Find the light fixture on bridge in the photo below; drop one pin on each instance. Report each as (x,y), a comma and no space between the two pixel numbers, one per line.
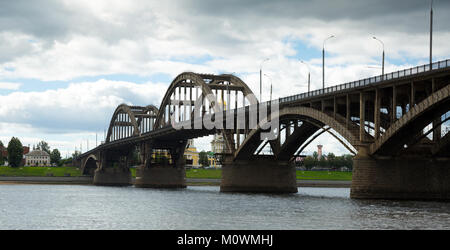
(270,86)
(260,78)
(323,61)
(309,74)
(382,62)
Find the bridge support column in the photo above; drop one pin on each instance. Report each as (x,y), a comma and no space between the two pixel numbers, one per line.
(260,175)
(160,177)
(402,178)
(112,177)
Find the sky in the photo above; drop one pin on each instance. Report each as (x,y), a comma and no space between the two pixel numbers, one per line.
(66,65)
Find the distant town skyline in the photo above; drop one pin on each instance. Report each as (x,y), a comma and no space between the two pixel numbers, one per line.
(65,65)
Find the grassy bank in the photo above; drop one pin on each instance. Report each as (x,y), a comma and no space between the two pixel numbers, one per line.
(190,173)
(39,171)
(301,175)
(204,173)
(324,175)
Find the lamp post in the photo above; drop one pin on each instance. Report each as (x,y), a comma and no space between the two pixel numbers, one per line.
(309,75)
(323,61)
(431,34)
(260,79)
(382,63)
(270,86)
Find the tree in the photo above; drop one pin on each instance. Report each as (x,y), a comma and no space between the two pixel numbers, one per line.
(331,159)
(15,152)
(316,155)
(42,145)
(203,159)
(76,154)
(348,159)
(2,161)
(55,157)
(309,162)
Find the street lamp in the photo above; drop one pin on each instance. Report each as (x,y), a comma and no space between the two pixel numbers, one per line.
(309,74)
(270,86)
(431,34)
(260,79)
(382,63)
(323,61)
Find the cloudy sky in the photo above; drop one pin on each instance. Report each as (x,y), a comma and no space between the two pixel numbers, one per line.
(66,65)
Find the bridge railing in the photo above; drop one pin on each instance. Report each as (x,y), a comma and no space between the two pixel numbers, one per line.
(368,81)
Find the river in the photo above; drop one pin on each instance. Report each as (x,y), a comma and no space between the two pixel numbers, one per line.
(205,208)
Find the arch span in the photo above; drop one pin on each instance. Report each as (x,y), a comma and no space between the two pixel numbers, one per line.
(129,121)
(90,165)
(404,129)
(312,121)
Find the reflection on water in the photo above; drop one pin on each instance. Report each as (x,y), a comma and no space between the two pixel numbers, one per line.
(91,207)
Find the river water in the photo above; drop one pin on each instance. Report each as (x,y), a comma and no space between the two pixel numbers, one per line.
(204,207)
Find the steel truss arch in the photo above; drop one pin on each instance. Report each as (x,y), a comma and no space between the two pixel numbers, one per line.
(131,122)
(398,134)
(315,118)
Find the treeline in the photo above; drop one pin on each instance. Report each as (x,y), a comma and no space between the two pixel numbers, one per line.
(15,153)
(330,161)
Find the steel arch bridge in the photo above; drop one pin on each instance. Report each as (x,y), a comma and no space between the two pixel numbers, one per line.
(398,117)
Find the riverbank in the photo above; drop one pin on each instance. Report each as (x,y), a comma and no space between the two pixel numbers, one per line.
(87,180)
(194,177)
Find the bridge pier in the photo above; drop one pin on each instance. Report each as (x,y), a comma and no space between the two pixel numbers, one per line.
(112,177)
(259,176)
(160,177)
(400,178)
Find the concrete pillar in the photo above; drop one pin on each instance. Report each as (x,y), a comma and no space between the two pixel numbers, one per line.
(437,121)
(362,118)
(347,111)
(377,114)
(260,176)
(112,177)
(394,104)
(400,178)
(334,107)
(160,177)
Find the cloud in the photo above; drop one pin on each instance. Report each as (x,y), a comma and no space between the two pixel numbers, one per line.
(86,106)
(67,40)
(10,85)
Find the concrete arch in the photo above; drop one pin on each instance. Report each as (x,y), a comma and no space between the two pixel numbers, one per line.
(311,117)
(147,109)
(90,165)
(442,148)
(196,80)
(238,81)
(412,122)
(123,108)
(249,95)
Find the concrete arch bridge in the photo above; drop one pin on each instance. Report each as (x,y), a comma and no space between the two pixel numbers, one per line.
(396,125)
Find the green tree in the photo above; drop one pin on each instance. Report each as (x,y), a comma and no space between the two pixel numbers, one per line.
(348,161)
(315,155)
(331,160)
(55,157)
(322,162)
(15,152)
(309,162)
(203,159)
(76,154)
(2,161)
(42,145)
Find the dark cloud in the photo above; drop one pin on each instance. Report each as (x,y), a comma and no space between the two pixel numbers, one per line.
(45,18)
(403,14)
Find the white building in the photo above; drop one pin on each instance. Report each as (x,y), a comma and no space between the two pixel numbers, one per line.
(218,144)
(37,158)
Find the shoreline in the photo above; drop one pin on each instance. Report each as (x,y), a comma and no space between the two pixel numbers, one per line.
(85,180)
